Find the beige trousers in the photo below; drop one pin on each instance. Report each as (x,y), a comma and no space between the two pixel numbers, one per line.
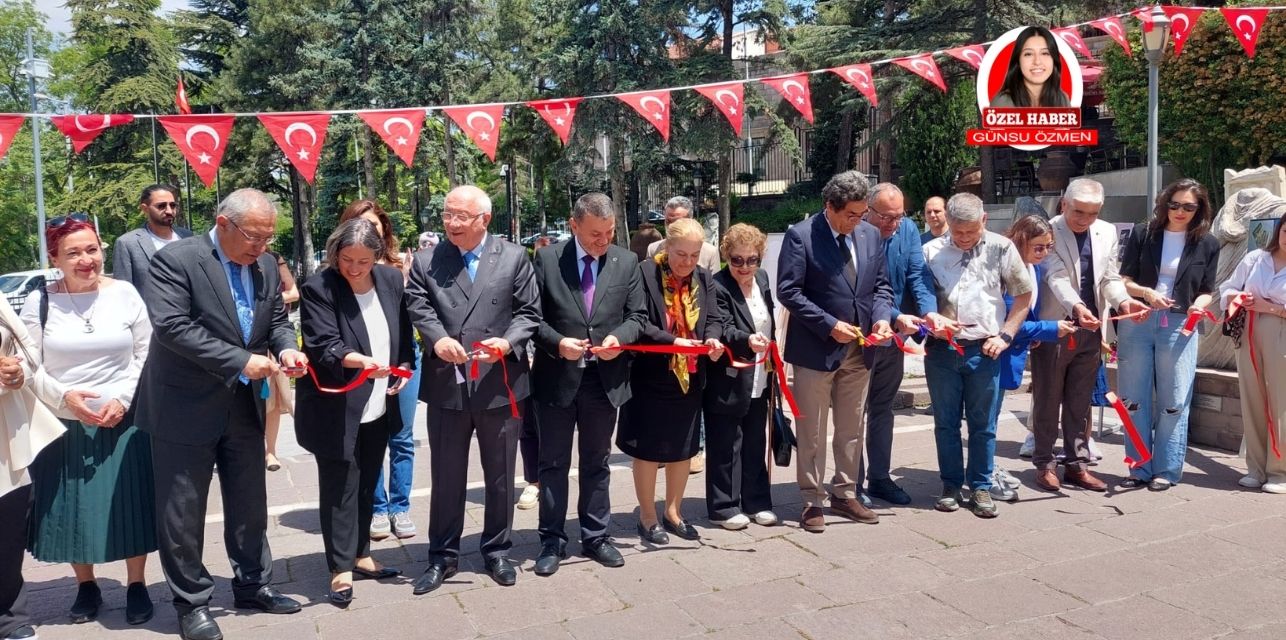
(817,393)
(1270,353)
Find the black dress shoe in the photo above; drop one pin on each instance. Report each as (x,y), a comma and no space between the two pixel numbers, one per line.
(432,578)
(683,529)
(88,599)
(138,604)
(383,573)
(502,571)
(198,625)
(551,554)
(603,552)
(341,598)
(268,599)
(653,534)
(888,491)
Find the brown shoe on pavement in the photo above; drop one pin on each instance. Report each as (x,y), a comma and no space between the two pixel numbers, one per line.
(1047,480)
(813,520)
(853,510)
(1084,479)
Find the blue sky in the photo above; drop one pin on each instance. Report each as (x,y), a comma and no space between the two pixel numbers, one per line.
(59,16)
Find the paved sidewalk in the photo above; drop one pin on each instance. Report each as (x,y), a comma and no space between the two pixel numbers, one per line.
(1202,560)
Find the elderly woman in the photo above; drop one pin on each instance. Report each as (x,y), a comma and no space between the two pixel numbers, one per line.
(660,424)
(736,400)
(93,491)
(355,323)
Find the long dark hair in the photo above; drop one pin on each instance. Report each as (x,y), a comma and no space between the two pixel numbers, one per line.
(1051,94)
(1200,223)
(1275,242)
(355,209)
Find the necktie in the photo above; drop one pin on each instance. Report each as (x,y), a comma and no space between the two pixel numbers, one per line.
(587,283)
(245,312)
(471,264)
(850,271)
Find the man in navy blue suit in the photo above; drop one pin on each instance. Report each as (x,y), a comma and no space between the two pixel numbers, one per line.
(832,277)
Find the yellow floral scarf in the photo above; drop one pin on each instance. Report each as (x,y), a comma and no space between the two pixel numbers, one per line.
(681,316)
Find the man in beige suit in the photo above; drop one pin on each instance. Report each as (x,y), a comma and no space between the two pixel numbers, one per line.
(681,207)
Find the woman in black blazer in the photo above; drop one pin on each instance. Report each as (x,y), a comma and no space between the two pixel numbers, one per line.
(352,308)
(1169,264)
(738,489)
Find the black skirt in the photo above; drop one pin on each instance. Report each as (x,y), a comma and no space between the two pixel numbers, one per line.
(660,423)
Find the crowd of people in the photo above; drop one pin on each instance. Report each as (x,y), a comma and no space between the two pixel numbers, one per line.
(122,396)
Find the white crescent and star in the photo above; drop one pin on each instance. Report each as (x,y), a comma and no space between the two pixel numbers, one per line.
(1179,34)
(794,83)
(660,106)
(107,122)
(862,79)
(306,128)
(559,120)
(1072,39)
(732,108)
(1113,29)
(972,54)
(388,128)
(1254,26)
(208,130)
(928,68)
(483,134)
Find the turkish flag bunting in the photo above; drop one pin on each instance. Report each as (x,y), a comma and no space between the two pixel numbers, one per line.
(654,106)
(300,136)
(1182,21)
(1246,24)
(859,75)
(481,122)
(558,114)
(1072,36)
(729,99)
(1144,14)
(1112,26)
(181,98)
(202,139)
(83,129)
(970,55)
(923,66)
(400,130)
(9,125)
(794,88)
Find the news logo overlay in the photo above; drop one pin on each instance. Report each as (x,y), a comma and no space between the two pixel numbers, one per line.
(1029,91)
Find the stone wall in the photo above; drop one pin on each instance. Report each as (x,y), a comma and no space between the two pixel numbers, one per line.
(1215,418)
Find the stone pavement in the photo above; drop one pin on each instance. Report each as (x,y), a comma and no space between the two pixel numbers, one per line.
(1199,561)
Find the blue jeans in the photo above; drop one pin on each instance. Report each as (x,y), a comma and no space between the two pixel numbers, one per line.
(1156,371)
(965,387)
(401,451)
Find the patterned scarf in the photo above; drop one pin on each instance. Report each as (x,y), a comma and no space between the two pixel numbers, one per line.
(681,315)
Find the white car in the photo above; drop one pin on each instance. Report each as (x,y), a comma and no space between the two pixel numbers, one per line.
(18,285)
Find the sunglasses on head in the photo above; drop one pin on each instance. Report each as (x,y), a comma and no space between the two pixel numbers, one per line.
(54,223)
(739,262)
(1190,207)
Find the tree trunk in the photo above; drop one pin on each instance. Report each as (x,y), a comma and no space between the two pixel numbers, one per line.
(886,142)
(986,155)
(616,173)
(368,164)
(539,169)
(301,206)
(394,202)
(725,190)
(449,147)
(844,150)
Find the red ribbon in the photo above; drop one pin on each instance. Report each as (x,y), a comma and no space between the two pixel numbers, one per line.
(504,372)
(1131,431)
(951,340)
(1071,340)
(1194,318)
(357,382)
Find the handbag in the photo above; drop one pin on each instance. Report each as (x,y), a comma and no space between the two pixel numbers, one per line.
(783,435)
(26,424)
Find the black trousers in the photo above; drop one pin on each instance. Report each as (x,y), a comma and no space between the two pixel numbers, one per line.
(886,379)
(736,462)
(346,491)
(592,413)
(14,507)
(183,474)
(450,432)
(1062,389)
(529,444)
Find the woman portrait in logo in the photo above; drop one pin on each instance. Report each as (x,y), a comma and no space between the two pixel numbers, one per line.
(1035,73)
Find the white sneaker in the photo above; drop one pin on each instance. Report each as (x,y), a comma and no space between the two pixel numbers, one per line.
(735,523)
(766,519)
(381,527)
(1274,487)
(1005,479)
(1095,454)
(403,527)
(530,497)
(1250,482)
(1029,446)
(1003,493)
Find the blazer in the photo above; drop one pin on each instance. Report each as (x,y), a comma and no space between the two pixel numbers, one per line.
(1061,286)
(326,423)
(1013,360)
(909,276)
(811,285)
(617,309)
(710,324)
(502,301)
(728,389)
(132,255)
(197,353)
(1197,265)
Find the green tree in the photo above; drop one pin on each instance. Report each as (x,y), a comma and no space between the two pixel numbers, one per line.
(929,128)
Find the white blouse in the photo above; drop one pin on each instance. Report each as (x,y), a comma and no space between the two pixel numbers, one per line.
(763,326)
(1255,275)
(377,331)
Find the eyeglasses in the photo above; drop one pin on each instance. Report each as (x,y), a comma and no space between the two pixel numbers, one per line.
(249,238)
(740,261)
(54,223)
(1190,207)
(166,205)
(889,218)
(448,216)
(1041,248)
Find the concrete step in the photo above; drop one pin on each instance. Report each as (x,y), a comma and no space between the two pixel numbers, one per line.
(914,392)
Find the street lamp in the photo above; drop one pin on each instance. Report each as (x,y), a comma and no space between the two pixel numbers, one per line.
(698,182)
(37,69)
(1154,41)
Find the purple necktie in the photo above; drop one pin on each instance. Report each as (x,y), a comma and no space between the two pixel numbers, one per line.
(587,283)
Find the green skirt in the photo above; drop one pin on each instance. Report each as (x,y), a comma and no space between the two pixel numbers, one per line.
(93,496)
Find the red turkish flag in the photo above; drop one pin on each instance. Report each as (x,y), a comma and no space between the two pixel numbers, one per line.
(970,54)
(9,125)
(859,75)
(1246,24)
(794,88)
(202,139)
(399,129)
(1182,21)
(292,128)
(481,122)
(729,99)
(1112,26)
(1072,36)
(923,66)
(1144,14)
(84,128)
(181,98)
(654,106)
(558,114)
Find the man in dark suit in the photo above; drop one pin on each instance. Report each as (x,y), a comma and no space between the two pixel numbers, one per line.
(590,294)
(472,297)
(133,251)
(832,277)
(216,309)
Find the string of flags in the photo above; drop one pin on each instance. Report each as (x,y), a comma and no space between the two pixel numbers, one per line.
(202,138)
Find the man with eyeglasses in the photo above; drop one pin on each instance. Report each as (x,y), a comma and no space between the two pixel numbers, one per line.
(133,251)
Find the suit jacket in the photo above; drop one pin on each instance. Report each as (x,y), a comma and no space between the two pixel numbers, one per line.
(710,324)
(1197,265)
(1061,286)
(132,254)
(812,285)
(1013,361)
(501,302)
(197,354)
(728,390)
(909,276)
(326,423)
(617,310)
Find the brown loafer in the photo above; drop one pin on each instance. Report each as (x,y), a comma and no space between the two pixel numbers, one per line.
(1083,479)
(1047,480)
(853,510)
(812,520)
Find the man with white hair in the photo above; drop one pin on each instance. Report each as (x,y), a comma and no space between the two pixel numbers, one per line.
(1083,284)
(680,207)
(972,269)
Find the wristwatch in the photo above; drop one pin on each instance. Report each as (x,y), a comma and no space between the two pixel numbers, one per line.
(1006,337)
